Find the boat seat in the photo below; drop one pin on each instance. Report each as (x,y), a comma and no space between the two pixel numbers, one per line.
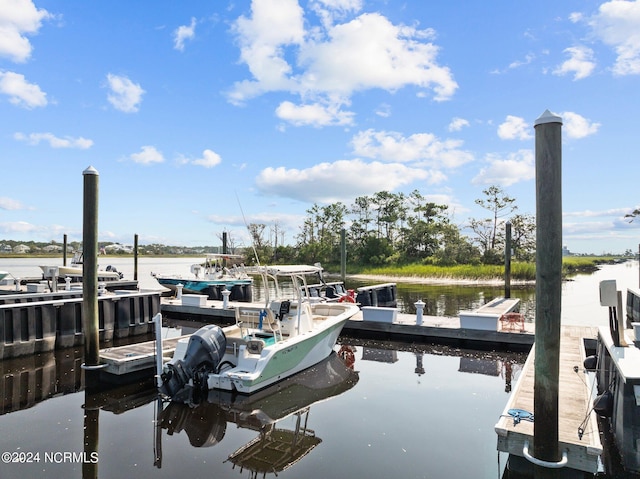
(250,318)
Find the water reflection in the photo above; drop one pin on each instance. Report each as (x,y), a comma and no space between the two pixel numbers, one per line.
(275,448)
(272,431)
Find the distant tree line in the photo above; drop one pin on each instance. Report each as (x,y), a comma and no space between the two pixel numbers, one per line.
(394,228)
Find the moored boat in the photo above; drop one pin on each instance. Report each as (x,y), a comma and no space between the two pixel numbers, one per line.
(74,271)
(211,277)
(266,345)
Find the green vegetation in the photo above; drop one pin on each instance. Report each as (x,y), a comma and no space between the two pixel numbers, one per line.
(520,271)
(586,264)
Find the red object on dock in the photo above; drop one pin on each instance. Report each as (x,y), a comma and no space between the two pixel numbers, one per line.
(512,322)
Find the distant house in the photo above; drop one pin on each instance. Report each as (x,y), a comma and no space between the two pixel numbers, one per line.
(52,248)
(21,249)
(5,248)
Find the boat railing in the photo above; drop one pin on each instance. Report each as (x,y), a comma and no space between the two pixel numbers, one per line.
(258,318)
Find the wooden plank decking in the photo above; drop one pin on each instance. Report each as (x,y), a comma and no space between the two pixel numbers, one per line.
(574,405)
(135,357)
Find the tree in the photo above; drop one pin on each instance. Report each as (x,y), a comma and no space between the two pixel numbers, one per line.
(261,248)
(455,248)
(498,203)
(634,214)
(422,237)
(319,238)
(523,236)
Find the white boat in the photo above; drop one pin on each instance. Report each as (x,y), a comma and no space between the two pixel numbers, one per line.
(74,270)
(3,274)
(211,277)
(266,345)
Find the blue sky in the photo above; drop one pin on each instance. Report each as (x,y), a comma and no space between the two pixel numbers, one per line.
(186,107)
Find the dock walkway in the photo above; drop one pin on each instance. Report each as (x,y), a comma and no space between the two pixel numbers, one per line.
(574,406)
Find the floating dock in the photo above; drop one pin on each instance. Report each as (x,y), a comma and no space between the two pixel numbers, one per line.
(32,323)
(388,323)
(376,322)
(578,433)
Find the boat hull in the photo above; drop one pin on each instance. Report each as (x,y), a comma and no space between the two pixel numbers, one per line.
(240,288)
(286,359)
(75,273)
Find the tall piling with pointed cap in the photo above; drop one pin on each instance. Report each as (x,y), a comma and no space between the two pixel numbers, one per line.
(548,144)
(90,268)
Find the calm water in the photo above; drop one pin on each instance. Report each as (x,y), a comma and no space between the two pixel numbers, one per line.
(391,410)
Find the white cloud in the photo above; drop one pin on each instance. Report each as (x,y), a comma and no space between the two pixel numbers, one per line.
(371,52)
(331,10)
(274,25)
(54,141)
(184,33)
(518,166)
(19,18)
(420,147)
(314,114)
(617,212)
(147,156)
(18,227)
(384,110)
(617,24)
(20,91)
(331,182)
(209,159)
(577,126)
(457,124)
(518,63)
(580,63)
(10,204)
(125,95)
(326,65)
(514,128)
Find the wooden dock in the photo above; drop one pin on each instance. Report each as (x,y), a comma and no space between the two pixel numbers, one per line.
(123,360)
(574,408)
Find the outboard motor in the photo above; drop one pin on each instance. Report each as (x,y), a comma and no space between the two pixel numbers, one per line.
(205,350)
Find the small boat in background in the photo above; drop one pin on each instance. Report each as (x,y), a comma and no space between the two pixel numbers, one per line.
(211,277)
(74,271)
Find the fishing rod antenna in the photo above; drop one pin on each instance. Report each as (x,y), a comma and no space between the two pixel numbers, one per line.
(253,246)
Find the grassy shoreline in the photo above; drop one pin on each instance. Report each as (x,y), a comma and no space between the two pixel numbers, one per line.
(521,273)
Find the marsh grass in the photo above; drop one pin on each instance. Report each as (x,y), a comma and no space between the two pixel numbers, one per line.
(519,271)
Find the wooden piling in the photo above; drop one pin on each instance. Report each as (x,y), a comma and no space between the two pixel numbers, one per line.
(135,257)
(343,254)
(64,250)
(507,261)
(548,144)
(90,268)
